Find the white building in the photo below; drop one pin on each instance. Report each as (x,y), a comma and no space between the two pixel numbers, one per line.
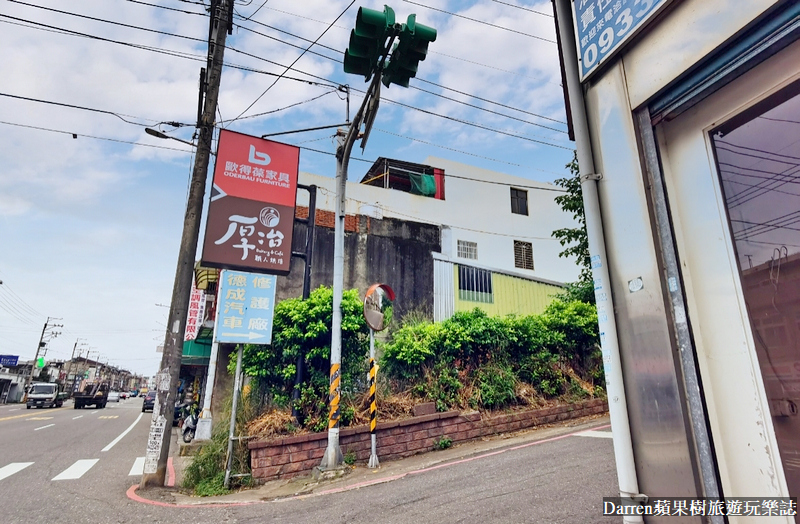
(489,219)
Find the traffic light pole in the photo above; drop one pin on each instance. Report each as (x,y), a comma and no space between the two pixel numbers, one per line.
(333,457)
(166,383)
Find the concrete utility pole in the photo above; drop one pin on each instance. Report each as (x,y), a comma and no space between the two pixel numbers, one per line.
(166,382)
(38,348)
(333,457)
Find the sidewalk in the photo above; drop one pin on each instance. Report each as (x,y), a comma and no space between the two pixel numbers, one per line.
(359,475)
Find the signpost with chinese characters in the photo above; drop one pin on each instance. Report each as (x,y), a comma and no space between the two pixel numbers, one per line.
(251,214)
(194,318)
(601,27)
(246,306)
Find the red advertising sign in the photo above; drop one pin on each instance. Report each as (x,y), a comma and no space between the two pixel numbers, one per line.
(251,214)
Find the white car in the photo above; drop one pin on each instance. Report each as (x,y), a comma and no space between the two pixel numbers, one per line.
(113,396)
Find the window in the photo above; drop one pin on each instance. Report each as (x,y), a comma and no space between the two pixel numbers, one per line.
(519,201)
(523,254)
(468,249)
(475,284)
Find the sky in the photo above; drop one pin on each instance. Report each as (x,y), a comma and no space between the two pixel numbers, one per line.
(91,207)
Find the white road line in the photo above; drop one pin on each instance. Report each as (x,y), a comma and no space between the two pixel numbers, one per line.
(138,467)
(47,426)
(596,434)
(76,470)
(93,412)
(113,442)
(15,409)
(14,467)
(79,416)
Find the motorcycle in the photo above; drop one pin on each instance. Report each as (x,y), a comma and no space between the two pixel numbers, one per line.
(190,424)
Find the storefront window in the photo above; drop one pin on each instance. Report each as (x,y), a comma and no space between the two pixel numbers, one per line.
(758,159)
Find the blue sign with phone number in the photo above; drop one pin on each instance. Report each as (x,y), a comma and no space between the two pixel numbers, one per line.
(603,25)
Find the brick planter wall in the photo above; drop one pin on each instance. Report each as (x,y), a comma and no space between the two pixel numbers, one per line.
(299,454)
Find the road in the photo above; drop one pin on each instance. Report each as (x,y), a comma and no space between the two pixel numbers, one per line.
(66,465)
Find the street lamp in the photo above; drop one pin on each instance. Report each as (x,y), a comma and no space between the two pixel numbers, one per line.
(158,134)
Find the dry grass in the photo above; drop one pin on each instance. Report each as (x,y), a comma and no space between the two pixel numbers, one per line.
(272,423)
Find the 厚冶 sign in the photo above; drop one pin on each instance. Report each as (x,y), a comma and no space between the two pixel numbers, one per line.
(245,308)
(601,27)
(251,213)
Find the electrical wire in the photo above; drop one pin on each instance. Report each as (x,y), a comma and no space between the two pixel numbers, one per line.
(296,60)
(24,305)
(482,22)
(281,108)
(524,8)
(75,135)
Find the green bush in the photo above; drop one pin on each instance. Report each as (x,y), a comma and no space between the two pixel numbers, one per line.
(496,384)
(303,327)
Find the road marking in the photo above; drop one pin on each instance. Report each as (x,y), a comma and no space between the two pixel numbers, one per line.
(79,416)
(93,412)
(138,467)
(18,416)
(113,442)
(16,409)
(76,470)
(596,434)
(40,418)
(47,426)
(14,467)
(108,416)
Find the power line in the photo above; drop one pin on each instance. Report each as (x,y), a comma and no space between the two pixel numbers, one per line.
(281,108)
(481,22)
(24,305)
(75,135)
(186,55)
(524,8)
(94,110)
(296,60)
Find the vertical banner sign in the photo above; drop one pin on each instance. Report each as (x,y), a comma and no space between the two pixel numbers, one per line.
(602,26)
(197,308)
(251,214)
(246,307)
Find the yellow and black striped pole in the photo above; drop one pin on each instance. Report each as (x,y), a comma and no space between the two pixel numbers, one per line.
(333,397)
(373,405)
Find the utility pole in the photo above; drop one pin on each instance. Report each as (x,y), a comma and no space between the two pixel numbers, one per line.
(166,382)
(69,368)
(38,348)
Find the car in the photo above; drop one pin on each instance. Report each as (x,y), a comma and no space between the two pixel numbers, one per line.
(123,395)
(113,396)
(149,401)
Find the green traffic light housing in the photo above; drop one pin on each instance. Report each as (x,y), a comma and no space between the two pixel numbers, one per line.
(367,40)
(411,48)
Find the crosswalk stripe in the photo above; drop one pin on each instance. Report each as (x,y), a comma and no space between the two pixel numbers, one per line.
(138,467)
(76,470)
(596,434)
(14,467)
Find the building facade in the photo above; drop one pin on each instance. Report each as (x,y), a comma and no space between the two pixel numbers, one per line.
(687,135)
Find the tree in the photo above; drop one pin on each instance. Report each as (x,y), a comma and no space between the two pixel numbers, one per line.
(575,239)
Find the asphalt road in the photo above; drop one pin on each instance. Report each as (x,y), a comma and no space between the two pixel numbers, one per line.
(58,465)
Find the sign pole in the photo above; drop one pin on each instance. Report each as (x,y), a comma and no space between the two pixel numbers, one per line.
(373,405)
(237,383)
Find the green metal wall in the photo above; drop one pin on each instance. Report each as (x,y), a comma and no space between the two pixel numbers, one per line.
(509,295)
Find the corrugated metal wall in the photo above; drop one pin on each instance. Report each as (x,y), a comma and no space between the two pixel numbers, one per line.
(511,295)
(444,282)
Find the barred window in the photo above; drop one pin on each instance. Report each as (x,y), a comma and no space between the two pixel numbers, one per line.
(519,201)
(475,284)
(468,249)
(523,254)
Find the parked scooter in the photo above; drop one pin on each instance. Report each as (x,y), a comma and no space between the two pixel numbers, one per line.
(190,423)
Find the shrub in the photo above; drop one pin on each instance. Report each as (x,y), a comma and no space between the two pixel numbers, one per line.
(496,385)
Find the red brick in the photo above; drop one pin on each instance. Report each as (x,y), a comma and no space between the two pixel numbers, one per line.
(459,436)
(277,460)
(292,448)
(271,451)
(472,417)
(312,444)
(293,467)
(300,456)
(387,441)
(428,408)
(404,437)
(474,433)
(267,473)
(435,432)
(396,449)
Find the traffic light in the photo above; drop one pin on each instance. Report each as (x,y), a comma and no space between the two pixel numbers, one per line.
(367,40)
(411,48)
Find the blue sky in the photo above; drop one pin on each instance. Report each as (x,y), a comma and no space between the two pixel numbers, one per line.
(90,226)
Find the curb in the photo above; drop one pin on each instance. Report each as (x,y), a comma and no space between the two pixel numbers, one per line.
(131,492)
